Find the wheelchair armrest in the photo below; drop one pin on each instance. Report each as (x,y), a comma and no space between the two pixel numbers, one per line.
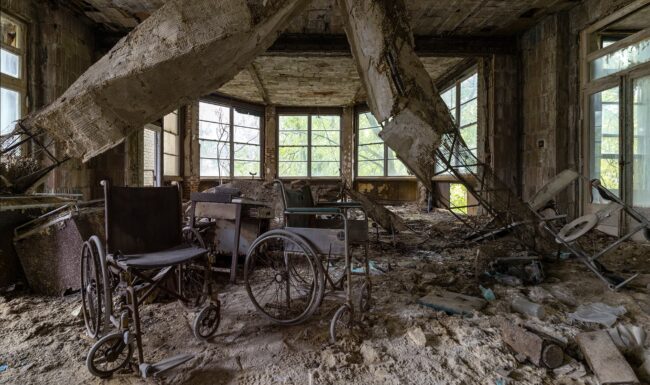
(312,210)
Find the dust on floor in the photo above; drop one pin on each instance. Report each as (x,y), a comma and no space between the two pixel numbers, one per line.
(42,343)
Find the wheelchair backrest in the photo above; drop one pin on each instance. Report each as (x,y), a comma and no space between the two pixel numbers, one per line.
(142,219)
(297,198)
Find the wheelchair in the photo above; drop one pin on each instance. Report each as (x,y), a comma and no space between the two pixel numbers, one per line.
(288,271)
(146,252)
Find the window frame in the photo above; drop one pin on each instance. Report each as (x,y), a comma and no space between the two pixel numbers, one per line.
(440,176)
(21,84)
(179,137)
(362,109)
(309,112)
(241,106)
(591,49)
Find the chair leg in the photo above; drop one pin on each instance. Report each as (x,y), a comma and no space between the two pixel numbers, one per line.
(133,307)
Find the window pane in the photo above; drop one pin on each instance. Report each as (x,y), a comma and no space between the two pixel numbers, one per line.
(371,152)
(245,119)
(604,162)
(366,120)
(468,88)
(619,60)
(641,165)
(396,168)
(293,123)
(292,168)
(449,97)
(370,136)
(293,154)
(210,168)
(214,113)
(216,150)
(293,138)
(12,32)
(170,123)
(171,143)
(325,169)
(247,152)
(247,168)
(149,160)
(325,138)
(331,154)
(214,131)
(10,110)
(171,165)
(470,136)
(458,198)
(247,135)
(468,113)
(326,122)
(371,168)
(9,63)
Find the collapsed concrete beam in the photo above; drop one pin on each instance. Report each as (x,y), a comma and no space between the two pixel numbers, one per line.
(185,50)
(401,93)
(385,218)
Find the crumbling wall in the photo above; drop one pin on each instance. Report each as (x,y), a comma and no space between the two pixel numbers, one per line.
(181,52)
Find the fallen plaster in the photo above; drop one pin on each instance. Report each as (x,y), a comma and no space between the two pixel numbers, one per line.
(400,92)
(181,52)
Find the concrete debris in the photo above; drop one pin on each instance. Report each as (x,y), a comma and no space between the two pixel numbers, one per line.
(598,312)
(378,213)
(534,347)
(604,359)
(369,353)
(452,303)
(164,62)
(416,336)
(573,370)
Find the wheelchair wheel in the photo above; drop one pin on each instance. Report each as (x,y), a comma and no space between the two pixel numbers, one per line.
(92,288)
(207,321)
(341,322)
(194,277)
(108,355)
(283,277)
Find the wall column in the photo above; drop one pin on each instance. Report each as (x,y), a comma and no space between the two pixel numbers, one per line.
(270,143)
(191,149)
(347,145)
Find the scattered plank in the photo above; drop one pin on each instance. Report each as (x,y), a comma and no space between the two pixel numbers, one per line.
(605,360)
(454,303)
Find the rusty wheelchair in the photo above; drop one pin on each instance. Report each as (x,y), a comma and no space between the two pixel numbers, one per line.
(288,271)
(146,252)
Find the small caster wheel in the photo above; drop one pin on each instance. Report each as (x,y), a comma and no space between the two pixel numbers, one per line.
(108,355)
(341,322)
(364,299)
(207,321)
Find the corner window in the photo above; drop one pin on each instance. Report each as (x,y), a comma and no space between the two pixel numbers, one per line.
(230,140)
(309,145)
(374,157)
(12,76)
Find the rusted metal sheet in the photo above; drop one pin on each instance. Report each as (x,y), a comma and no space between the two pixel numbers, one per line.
(538,350)
(49,248)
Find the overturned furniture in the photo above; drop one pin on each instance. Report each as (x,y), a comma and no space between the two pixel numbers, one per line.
(227,224)
(288,271)
(48,246)
(144,249)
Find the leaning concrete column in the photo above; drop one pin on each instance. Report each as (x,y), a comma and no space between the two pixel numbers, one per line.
(400,91)
(184,50)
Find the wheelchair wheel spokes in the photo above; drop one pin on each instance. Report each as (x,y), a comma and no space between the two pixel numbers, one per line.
(194,282)
(92,289)
(282,278)
(109,355)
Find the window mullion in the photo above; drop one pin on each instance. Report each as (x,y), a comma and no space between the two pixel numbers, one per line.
(309,146)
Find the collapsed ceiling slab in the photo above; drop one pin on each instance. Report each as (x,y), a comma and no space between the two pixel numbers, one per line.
(400,92)
(183,51)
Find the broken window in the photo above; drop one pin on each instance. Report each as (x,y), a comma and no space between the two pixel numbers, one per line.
(13,81)
(374,158)
(171,145)
(230,140)
(150,154)
(309,145)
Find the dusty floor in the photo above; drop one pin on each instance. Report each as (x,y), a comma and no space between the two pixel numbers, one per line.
(42,343)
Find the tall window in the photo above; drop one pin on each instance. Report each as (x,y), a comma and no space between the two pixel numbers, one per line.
(309,145)
(461,99)
(605,144)
(374,157)
(230,140)
(150,154)
(13,81)
(171,145)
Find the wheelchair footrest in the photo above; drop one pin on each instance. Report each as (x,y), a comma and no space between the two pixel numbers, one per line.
(153,370)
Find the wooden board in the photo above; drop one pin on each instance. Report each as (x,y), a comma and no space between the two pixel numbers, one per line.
(605,360)
(454,303)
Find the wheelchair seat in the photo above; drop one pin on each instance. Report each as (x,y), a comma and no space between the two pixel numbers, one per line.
(160,259)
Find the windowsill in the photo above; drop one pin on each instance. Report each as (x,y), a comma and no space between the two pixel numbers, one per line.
(384,178)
